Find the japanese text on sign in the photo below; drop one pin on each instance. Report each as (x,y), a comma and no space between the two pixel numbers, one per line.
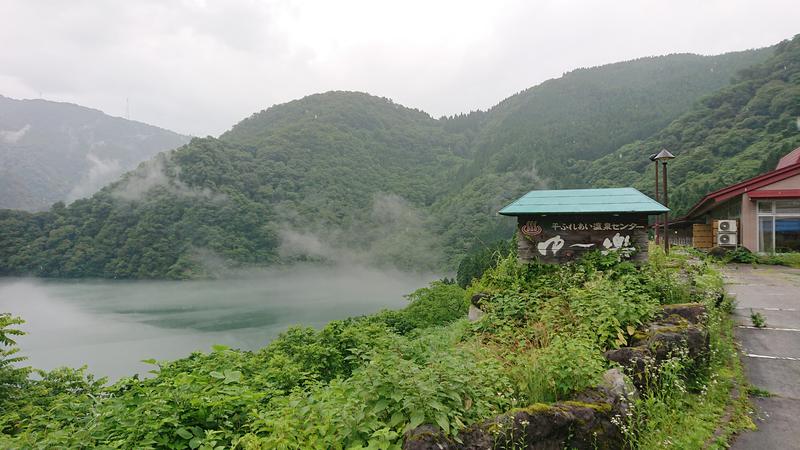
(597,226)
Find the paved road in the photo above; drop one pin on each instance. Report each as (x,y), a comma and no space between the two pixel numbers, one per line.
(771,355)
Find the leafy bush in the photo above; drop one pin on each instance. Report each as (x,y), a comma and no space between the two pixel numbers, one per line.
(12,378)
(611,310)
(741,255)
(439,304)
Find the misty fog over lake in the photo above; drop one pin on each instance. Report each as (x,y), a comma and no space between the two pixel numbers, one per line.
(112,325)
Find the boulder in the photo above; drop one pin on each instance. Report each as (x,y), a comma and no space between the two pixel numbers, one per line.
(678,328)
(693,312)
(571,424)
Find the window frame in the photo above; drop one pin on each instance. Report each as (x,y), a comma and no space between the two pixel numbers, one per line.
(775,216)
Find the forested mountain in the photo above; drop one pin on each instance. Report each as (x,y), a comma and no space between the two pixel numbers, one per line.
(348,176)
(734,134)
(339,175)
(52,151)
(539,137)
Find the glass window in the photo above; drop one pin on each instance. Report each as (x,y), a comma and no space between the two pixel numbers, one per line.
(787,206)
(765,235)
(787,234)
(765,207)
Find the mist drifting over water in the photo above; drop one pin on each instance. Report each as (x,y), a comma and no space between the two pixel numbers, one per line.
(112,325)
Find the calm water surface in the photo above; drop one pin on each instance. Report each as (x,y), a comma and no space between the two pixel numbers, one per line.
(112,325)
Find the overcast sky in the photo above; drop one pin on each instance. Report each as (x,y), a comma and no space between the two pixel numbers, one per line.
(198,67)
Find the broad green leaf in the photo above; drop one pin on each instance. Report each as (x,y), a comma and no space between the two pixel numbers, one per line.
(232,376)
(443,422)
(397,417)
(184,433)
(417,417)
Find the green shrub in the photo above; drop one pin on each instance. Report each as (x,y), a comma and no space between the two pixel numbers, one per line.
(12,378)
(383,399)
(611,310)
(741,255)
(439,304)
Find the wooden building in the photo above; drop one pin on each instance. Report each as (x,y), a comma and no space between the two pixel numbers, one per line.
(761,214)
(556,226)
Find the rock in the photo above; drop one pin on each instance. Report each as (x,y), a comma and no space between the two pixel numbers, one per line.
(478,298)
(633,359)
(475,313)
(693,312)
(571,424)
(679,328)
(426,437)
(618,385)
(718,252)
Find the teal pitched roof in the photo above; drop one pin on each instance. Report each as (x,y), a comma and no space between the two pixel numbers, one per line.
(575,201)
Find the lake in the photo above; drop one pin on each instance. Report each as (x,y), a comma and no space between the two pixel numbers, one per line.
(111,326)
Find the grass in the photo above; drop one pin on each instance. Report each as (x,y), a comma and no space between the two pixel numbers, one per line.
(753,391)
(781,259)
(758,319)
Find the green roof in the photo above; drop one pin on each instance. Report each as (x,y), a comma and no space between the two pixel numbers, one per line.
(575,201)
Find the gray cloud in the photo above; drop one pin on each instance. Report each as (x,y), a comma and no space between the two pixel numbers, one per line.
(199,66)
(397,235)
(153,173)
(101,172)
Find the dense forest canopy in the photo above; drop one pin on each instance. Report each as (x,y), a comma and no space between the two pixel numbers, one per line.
(734,134)
(347,176)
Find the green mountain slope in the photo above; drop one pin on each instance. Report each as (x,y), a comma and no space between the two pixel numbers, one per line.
(52,151)
(335,176)
(539,137)
(729,136)
(351,177)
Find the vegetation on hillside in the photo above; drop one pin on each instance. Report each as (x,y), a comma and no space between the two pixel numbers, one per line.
(52,151)
(349,177)
(542,137)
(734,134)
(362,382)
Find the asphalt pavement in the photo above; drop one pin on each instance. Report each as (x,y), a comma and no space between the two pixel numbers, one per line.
(770,355)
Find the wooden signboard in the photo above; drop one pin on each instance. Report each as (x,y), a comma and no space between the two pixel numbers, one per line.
(557,239)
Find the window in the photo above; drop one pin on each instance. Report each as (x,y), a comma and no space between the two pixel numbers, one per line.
(787,234)
(778,226)
(787,207)
(765,234)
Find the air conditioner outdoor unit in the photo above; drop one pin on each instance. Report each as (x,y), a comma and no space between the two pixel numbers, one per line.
(726,239)
(726,226)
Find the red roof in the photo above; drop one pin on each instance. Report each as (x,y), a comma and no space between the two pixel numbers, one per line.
(775,193)
(782,172)
(791,158)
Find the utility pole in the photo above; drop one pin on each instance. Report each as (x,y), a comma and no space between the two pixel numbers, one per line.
(655,228)
(664,155)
